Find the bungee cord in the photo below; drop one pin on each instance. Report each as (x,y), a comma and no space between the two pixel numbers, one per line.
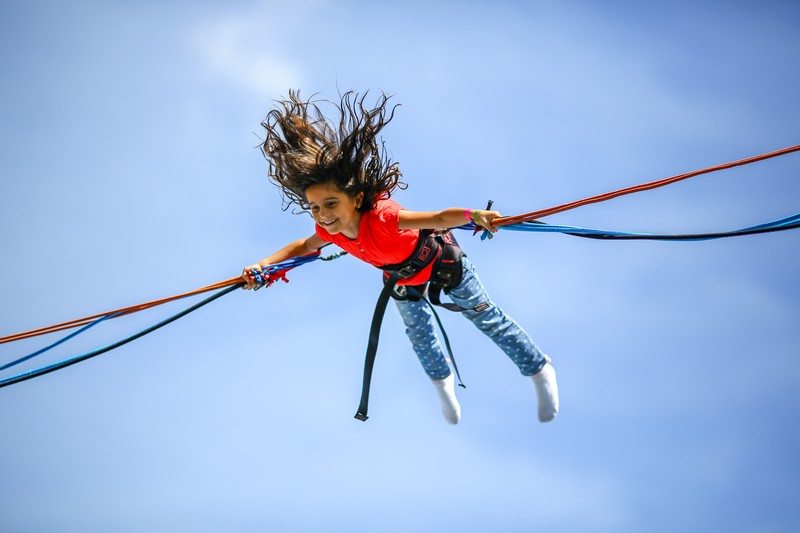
(58,342)
(270,274)
(265,278)
(24,376)
(116,313)
(504,221)
(786,223)
(525,222)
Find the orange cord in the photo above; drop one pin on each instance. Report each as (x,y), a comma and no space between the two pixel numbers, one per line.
(505,221)
(502,221)
(118,312)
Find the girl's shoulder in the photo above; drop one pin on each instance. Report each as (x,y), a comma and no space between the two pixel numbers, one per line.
(386,206)
(385,212)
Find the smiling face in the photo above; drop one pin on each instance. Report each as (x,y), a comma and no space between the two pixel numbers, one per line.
(334,210)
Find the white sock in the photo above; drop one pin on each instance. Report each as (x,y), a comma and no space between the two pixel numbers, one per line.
(546,392)
(447,395)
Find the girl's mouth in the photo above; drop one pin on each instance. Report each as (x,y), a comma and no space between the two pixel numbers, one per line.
(330,222)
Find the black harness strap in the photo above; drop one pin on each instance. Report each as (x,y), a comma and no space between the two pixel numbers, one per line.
(446,341)
(446,273)
(372,346)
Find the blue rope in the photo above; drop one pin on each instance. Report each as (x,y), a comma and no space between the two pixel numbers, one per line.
(263,278)
(65,339)
(30,374)
(790,222)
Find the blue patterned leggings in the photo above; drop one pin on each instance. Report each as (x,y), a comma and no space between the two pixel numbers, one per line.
(498,326)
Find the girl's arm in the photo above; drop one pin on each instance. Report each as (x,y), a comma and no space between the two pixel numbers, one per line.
(447,218)
(299,247)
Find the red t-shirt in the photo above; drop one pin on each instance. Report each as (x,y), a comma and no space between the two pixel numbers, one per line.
(380,241)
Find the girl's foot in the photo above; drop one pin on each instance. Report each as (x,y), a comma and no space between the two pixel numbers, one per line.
(546,392)
(447,395)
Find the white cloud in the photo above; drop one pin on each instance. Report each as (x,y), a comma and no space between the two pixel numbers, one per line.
(245,48)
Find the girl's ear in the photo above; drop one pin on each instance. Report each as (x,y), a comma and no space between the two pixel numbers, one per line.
(359,199)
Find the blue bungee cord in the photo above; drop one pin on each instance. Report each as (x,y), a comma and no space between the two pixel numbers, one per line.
(265,277)
(786,223)
(58,342)
(24,376)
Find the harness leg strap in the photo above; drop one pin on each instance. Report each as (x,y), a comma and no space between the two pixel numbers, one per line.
(372,346)
(446,343)
(434,294)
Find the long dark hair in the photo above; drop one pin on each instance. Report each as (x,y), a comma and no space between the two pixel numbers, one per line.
(304,148)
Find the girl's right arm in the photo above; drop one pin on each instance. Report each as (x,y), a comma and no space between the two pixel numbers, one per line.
(299,247)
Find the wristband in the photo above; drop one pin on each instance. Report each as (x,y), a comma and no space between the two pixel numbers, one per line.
(468,214)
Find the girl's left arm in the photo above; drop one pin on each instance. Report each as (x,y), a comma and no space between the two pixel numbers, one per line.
(447,218)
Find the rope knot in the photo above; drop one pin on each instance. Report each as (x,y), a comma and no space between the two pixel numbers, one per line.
(265,279)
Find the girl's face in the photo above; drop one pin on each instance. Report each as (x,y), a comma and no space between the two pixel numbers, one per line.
(335,210)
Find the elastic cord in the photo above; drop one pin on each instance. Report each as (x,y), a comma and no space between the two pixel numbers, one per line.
(60,341)
(78,358)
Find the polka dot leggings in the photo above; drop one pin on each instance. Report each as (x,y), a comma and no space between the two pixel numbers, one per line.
(498,326)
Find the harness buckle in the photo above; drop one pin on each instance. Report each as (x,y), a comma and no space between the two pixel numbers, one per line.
(407,271)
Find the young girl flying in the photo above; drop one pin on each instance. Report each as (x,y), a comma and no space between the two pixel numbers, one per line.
(340,172)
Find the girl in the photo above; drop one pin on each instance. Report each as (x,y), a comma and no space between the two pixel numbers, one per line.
(341,173)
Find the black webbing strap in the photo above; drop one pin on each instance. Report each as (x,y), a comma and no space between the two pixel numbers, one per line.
(372,346)
(447,342)
(446,273)
(426,250)
(434,295)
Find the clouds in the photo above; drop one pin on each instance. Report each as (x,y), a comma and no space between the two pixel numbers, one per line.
(240,51)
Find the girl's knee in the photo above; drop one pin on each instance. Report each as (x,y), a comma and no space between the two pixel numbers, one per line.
(488,319)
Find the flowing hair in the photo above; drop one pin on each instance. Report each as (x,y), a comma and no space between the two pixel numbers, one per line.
(304,148)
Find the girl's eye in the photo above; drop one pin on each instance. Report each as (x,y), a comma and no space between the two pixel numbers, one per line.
(331,205)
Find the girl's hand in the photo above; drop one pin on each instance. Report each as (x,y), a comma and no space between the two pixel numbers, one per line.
(247,276)
(293,249)
(484,218)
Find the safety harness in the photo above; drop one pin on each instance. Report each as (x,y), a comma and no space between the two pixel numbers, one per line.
(439,248)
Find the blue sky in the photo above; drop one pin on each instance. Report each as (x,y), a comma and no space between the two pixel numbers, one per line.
(129,171)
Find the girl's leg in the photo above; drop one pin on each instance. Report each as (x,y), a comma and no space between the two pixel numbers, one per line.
(418,319)
(510,337)
(420,330)
(498,326)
